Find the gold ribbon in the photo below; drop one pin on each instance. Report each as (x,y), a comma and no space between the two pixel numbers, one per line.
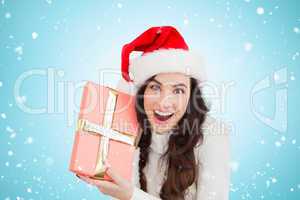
(106,133)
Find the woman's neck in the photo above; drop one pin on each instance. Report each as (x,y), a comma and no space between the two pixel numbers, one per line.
(162,133)
(159,141)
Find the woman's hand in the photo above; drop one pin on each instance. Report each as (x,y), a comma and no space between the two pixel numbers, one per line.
(121,189)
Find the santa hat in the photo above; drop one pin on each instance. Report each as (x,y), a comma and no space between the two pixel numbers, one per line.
(163,50)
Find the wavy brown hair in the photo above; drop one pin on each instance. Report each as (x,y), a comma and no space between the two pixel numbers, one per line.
(182,167)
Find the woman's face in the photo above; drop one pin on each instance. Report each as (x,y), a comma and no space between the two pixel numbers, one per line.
(165,100)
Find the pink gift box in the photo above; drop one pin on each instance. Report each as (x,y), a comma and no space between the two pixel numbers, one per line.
(107,131)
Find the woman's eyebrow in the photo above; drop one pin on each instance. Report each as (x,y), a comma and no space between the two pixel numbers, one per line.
(156,81)
(176,85)
(180,84)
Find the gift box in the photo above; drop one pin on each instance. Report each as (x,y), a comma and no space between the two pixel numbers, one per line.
(107,130)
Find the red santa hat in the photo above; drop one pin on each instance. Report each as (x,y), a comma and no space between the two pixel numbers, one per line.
(163,50)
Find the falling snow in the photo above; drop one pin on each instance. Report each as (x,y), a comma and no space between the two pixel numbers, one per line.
(260,10)
(7,15)
(120,5)
(19,50)
(186,21)
(234,166)
(9,129)
(34,35)
(248,46)
(21,99)
(10,153)
(36,146)
(274,180)
(278,144)
(296,30)
(294,57)
(3,115)
(29,190)
(29,140)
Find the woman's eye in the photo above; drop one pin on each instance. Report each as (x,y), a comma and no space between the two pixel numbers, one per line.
(154,87)
(179,91)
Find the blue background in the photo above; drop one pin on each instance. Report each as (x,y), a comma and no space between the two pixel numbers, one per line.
(251,45)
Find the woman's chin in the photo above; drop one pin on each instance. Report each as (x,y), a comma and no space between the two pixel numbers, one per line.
(159,128)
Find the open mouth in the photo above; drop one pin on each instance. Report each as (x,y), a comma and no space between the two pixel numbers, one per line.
(162,116)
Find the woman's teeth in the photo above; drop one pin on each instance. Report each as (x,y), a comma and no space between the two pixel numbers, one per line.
(162,116)
(163,113)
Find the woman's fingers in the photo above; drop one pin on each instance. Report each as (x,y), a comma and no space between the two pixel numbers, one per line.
(116,177)
(120,191)
(112,173)
(125,187)
(104,186)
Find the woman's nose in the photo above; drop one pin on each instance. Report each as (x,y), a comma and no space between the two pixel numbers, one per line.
(165,102)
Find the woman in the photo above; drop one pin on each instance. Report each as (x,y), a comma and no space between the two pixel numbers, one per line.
(181,154)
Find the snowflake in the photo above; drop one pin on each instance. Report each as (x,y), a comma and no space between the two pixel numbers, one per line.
(7,15)
(19,50)
(186,21)
(29,140)
(248,46)
(277,144)
(10,153)
(295,56)
(13,135)
(34,35)
(274,180)
(234,165)
(292,78)
(29,190)
(119,5)
(3,115)
(296,30)
(260,10)
(19,165)
(268,183)
(21,99)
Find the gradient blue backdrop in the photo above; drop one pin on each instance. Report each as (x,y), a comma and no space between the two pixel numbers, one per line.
(251,46)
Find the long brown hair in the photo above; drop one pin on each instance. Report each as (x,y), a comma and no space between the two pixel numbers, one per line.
(182,167)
